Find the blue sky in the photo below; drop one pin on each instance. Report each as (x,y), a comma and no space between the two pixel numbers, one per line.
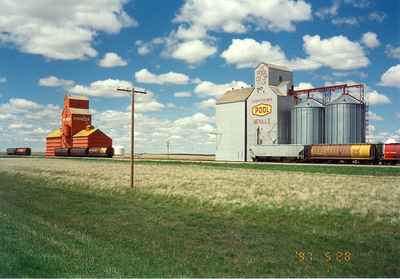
(186,54)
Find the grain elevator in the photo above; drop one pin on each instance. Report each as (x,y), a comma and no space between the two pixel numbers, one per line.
(76,128)
(272,119)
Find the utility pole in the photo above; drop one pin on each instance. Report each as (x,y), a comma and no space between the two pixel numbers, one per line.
(216,138)
(168,143)
(132,91)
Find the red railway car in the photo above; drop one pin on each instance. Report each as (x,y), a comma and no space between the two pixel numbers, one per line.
(391,152)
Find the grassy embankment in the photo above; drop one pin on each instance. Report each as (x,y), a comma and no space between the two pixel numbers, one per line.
(52,228)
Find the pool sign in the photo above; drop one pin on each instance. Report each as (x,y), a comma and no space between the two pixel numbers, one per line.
(261,110)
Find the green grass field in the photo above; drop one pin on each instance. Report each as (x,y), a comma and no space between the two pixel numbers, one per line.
(52,227)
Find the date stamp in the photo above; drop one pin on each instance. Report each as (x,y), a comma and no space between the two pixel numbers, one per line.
(329,257)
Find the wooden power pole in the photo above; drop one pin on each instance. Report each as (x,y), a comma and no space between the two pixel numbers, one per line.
(168,145)
(132,91)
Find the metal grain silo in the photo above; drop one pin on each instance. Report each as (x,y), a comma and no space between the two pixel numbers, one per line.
(345,121)
(308,122)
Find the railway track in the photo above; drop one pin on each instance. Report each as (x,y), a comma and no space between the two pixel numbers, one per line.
(140,159)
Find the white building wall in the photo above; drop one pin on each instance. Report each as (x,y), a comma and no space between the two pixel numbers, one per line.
(231,121)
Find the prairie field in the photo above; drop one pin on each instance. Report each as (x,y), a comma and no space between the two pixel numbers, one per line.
(69,217)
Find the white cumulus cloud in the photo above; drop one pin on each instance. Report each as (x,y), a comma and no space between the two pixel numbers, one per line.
(108,88)
(145,76)
(23,121)
(208,88)
(245,53)
(391,77)
(337,52)
(192,52)
(22,104)
(60,29)
(370,39)
(374,117)
(375,98)
(191,41)
(52,81)
(207,104)
(182,94)
(112,59)
(148,106)
(392,52)
(102,88)
(236,16)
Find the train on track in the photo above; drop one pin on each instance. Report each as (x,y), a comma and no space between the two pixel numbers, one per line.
(329,153)
(315,153)
(20,151)
(105,152)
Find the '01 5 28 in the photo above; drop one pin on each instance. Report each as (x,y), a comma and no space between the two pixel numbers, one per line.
(305,257)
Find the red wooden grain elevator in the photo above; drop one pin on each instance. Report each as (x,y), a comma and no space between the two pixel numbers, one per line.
(76,128)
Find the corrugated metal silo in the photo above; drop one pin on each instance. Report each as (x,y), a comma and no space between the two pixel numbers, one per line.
(308,122)
(345,121)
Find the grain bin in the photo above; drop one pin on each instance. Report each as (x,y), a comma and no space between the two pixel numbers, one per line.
(307,124)
(119,150)
(345,120)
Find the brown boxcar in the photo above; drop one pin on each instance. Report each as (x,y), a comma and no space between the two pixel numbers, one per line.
(101,152)
(11,151)
(342,152)
(24,151)
(78,152)
(61,151)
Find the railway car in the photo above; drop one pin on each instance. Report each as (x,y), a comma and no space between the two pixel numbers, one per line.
(101,152)
(105,152)
(24,151)
(11,151)
(390,153)
(78,152)
(277,152)
(63,152)
(342,152)
(20,151)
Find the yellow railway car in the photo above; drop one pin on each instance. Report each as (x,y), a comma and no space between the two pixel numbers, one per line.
(358,152)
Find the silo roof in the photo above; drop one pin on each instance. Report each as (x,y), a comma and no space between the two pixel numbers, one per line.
(85,132)
(346,99)
(54,134)
(308,103)
(235,95)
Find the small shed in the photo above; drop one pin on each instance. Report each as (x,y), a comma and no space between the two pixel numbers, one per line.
(91,137)
(53,141)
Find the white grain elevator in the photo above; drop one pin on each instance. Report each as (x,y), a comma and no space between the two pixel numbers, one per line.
(253,116)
